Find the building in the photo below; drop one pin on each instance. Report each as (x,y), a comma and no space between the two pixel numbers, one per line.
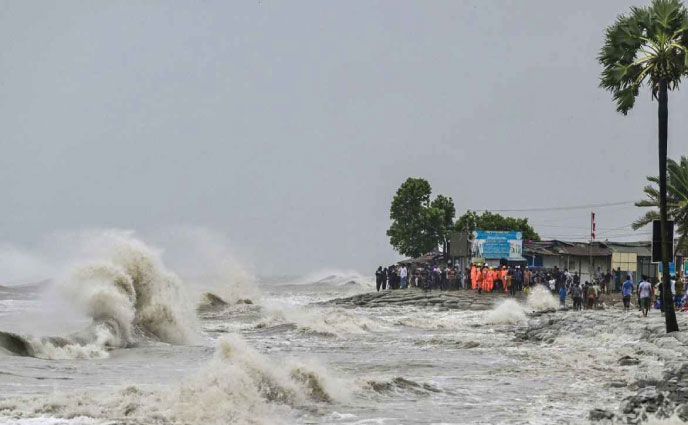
(585,258)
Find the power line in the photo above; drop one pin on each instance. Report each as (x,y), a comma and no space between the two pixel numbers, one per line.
(586,237)
(606,229)
(572,207)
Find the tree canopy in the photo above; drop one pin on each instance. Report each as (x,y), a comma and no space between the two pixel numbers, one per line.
(471,221)
(419,225)
(649,45)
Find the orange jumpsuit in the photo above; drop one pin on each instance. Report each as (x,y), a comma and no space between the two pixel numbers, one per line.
(490,280)
(483,278)
(503,273)
(474,277)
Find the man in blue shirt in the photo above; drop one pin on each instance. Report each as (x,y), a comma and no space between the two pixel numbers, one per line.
(626,291)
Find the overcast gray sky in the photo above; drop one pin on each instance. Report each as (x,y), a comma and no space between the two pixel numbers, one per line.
(288,126)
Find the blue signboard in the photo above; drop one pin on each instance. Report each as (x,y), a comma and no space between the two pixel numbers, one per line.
(495,244)
(672,269)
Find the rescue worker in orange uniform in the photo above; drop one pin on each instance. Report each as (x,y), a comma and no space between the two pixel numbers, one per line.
(482,279)
(474,277)
(488,280)
(503,274)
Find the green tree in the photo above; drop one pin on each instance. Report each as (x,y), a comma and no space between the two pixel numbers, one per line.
(471,221)
(649,46)
(441,219)
(419,225)
(677,200)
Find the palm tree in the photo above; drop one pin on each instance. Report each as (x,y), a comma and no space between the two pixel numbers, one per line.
(677,200)
(649,46)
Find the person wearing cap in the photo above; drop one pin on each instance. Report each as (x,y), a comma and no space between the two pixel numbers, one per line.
(490,280)
(483,278)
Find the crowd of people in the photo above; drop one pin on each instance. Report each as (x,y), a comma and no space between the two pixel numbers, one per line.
(480,277)
(517,279)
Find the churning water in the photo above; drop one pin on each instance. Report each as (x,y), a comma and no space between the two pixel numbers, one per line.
(118,337)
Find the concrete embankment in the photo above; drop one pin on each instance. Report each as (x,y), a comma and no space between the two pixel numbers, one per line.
(461,299)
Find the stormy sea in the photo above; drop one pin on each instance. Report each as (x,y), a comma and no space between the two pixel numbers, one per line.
(119,335)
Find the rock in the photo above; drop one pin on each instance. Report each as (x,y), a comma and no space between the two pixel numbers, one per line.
(600,414)
(628,361)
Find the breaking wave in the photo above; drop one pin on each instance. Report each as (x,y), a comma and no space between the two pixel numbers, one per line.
(332,322)
(239,386)
(129,296)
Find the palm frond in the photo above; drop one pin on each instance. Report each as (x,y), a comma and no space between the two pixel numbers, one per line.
(645,219)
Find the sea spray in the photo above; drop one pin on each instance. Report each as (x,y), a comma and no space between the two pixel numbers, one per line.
(238,385)
(540,298)
(512,311)
(508,311)
(131,286)
(207,264)
(122,286)
(333,322)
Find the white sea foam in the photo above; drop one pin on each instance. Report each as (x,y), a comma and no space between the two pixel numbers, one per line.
(239,386)
(122,286)
(512,311)
(508,311)
(130,285)
(541,298)
(336,322)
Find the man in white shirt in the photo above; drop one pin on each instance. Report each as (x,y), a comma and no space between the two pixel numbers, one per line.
(404,277)
(645,292)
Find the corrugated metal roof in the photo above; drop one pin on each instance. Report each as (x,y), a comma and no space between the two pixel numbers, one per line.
(556,247)
(642,249)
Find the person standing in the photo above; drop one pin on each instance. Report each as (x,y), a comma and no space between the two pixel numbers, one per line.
(378,278)
(452,278)
(626,292)
(592,295)
(607,282)
(383,282)
(404,276)
(679,291)
(644,292)
(576,294)
(562,297)
(490,280)
(482,278)
(474,277)
(391,277)
(568,279)
(498,283)
(518,286)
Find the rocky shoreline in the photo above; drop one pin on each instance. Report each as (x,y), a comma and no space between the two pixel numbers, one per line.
(662,398)
(455,300)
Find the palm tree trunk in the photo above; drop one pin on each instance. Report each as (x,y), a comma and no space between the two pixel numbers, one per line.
(667,299)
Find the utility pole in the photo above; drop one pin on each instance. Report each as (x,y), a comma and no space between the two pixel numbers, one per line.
(592,237)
